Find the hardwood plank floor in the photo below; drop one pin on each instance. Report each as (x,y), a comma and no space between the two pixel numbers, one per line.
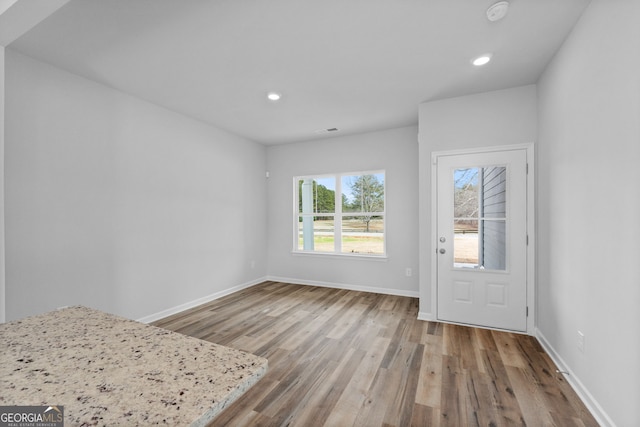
(346,358)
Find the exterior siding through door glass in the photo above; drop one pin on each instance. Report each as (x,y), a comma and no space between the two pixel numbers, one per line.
(493,190)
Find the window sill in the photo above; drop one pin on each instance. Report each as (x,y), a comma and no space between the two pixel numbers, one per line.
(354,256)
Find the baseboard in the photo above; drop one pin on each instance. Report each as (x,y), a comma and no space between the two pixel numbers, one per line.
(182,307)
(422,315)
(386,291)
(592,405)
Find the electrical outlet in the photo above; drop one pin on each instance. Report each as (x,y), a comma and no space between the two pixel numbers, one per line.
(581,341)
(408,272)
(253,264)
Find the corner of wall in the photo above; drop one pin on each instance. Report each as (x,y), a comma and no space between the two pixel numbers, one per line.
(199,301)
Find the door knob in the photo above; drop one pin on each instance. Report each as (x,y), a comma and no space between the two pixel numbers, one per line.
(442,250)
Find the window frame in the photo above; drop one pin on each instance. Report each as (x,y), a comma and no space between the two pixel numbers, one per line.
(338,216)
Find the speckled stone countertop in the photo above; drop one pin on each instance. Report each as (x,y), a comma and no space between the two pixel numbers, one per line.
(107,370)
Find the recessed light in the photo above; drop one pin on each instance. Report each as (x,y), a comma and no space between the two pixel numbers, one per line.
(482,60)
(273,96)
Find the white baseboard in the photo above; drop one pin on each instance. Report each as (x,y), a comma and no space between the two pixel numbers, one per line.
(386,291)
(182,307)
(590,402)
(422,315)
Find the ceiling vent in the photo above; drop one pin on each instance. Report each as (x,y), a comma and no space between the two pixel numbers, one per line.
(327,130)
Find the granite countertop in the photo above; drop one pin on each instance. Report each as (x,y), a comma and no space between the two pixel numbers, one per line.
(107,370)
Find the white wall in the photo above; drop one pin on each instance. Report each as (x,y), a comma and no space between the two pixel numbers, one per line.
(2,280)
(395,151)
(121,205)
(504,117)
(589,204)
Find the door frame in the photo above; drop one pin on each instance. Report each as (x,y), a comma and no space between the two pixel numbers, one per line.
(531,223)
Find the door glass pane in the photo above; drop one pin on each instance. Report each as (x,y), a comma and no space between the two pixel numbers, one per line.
(479,222)
(465,243)
(494,191)
(493,244)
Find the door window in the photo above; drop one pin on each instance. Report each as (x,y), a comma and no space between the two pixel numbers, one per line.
(480,217)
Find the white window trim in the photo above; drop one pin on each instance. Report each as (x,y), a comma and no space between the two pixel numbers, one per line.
(338,214)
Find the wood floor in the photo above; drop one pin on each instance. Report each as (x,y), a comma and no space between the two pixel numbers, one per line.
(346,358)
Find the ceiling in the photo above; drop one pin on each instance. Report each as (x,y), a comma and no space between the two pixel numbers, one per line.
(355,65)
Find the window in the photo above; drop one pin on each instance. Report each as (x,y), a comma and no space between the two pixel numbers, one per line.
(340,214)
(480,217)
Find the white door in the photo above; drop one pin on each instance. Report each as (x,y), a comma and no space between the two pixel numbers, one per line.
(482,238)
